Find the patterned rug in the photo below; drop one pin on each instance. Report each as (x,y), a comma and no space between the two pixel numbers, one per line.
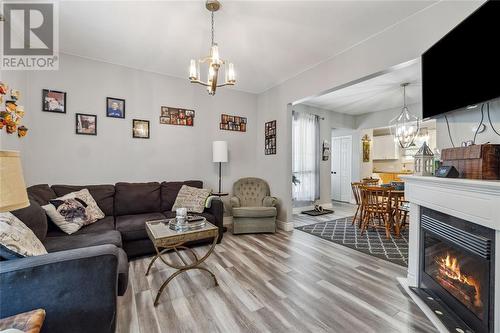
(373,242)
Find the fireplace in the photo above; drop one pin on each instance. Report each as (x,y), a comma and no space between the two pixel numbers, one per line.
(457,265)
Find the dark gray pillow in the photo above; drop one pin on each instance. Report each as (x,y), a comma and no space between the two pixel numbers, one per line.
(34,217)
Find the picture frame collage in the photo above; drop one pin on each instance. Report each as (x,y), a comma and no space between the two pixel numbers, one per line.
(176,116)
(233,123)
(270,138)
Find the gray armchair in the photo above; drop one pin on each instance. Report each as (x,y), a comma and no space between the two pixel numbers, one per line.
(253,208)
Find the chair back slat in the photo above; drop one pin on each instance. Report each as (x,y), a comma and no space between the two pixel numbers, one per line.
(356,191)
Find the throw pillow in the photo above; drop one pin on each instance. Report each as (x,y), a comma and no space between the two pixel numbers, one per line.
(191,198)
(17,240)
(73,211)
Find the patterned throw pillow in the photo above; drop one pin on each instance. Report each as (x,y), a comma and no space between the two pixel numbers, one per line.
(73,210)
(191,198)
(17,240)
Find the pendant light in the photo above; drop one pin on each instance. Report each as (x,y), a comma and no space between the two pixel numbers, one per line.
(405,126)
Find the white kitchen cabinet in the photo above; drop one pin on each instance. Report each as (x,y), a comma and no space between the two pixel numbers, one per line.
(384,148)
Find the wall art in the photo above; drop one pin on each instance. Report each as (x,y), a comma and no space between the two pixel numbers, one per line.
(11,113)
(53,101)
(115,107)
(86,124)
(176,116)
(366,148)
(140,129)
(233,123)
(270,138)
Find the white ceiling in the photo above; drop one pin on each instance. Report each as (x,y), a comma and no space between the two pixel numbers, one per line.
(379,93)
(268,41)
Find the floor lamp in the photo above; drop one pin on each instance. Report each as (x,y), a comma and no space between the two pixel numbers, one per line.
(219,155)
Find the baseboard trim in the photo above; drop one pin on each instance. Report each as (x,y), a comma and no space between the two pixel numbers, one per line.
(285,226)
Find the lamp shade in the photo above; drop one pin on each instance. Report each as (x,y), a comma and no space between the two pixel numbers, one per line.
(12,187)
(219,151)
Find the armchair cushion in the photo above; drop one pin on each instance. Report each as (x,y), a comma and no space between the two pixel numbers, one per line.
(254,212)
(235,202)
(269,201)
(251,191)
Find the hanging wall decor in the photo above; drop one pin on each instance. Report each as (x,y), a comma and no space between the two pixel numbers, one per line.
(366,148)
(86,124)
(176,116)
(115,107)
(140,129)
(53,101)
(233,123)
(11,113)
(325,150)
(270,138)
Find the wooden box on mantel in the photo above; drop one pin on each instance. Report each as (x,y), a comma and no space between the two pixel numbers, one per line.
(474,162)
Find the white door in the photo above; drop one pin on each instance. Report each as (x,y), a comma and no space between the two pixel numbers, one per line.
(336,166)
(341,168)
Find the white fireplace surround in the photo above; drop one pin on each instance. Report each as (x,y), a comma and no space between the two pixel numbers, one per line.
(476,201)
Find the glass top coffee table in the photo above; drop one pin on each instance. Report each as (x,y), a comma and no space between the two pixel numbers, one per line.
(165,239)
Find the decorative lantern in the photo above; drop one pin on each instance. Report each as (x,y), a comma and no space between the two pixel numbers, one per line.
(424,161)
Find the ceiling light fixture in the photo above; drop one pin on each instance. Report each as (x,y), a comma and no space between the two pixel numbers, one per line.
(405,126)
(215,63)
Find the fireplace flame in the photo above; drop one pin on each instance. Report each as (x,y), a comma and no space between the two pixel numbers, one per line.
(450,268)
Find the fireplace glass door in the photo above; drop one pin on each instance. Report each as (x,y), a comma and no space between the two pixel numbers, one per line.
(463,275)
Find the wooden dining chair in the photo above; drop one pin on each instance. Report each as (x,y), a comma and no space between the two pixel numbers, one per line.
(356,191)
(370,181)
(377,205)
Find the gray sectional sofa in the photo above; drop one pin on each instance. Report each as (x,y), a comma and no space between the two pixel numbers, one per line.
(78,280)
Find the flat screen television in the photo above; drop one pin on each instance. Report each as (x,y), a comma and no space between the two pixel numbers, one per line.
(463,68)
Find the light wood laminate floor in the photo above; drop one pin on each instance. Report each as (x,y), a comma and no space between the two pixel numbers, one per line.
(283,282)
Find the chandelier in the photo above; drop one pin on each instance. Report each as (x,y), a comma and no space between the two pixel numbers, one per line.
(405,126)
(214,62)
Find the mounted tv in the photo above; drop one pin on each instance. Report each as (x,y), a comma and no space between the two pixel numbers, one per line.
(463,68)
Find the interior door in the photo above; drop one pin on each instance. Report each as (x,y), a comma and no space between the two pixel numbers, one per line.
(345,168)
(336,169)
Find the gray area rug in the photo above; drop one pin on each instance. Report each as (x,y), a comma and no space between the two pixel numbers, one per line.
(373,242)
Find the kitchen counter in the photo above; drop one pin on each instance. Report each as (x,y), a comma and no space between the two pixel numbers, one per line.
(401,172)
(391,176)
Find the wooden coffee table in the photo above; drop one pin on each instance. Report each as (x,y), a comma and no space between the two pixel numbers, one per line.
(165,239)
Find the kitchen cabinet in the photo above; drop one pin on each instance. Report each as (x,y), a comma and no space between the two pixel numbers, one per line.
(384,148)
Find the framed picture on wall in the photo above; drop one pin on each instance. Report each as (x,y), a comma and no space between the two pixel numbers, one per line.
(233,123)
(140,129)
(176,116)
(53,101)
(115,107)
(270,138)
(86,124)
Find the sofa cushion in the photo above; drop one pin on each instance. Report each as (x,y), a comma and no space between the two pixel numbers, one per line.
(34,217)
(133,227)
(105,224)
(102,194)
(254,211)
(41,193)
(169,191)
(122,272)
(17,240)
(137,198)
(192,198)
(67,242)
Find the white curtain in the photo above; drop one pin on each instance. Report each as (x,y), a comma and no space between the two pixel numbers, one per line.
(305,155)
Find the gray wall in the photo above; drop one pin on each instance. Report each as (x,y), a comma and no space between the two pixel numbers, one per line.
(462,123)
(400,43)
(53,153)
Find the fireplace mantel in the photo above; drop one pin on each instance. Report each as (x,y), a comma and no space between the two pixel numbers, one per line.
(476,201)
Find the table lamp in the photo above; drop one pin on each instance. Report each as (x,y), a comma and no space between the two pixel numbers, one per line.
(219,155)
(12,187)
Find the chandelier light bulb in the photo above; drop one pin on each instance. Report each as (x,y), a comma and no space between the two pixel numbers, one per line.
(193,72)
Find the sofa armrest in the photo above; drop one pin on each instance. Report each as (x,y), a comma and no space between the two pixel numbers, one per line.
(76,288)
(217,210)
(235,202)
(269,201)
